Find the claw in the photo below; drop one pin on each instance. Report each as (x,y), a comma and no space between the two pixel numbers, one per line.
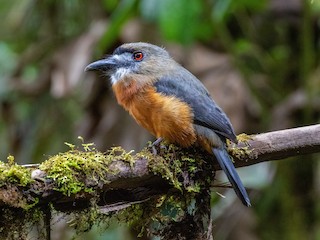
(155,144)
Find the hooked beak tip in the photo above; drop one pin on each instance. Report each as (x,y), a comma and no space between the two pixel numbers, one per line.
(92,67)
(101,65)
(87,69)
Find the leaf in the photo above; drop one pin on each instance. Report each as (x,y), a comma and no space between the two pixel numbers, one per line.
(180,19)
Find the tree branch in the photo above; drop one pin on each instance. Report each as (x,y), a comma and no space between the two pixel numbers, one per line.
(116,181)
(280,145)
(258,148)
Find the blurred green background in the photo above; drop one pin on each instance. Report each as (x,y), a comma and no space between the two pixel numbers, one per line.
(259,59)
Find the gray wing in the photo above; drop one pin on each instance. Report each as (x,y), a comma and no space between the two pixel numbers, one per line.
(188,88)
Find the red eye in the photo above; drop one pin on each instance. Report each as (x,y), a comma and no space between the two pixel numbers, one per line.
(138,56)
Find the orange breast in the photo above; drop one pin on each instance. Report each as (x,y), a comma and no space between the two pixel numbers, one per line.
(163,116)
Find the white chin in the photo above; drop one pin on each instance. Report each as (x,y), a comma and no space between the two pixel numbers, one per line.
(119,74)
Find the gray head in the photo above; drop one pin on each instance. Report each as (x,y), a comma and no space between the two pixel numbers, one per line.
(134,58)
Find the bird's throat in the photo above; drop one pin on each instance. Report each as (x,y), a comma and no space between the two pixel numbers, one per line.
(119,75)
(125,91)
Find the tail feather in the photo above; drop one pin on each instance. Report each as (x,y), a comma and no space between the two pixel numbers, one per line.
(227,166)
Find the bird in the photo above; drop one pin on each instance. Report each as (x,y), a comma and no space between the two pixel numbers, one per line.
(170,102)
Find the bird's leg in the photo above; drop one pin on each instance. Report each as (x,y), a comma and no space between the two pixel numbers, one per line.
(155,144)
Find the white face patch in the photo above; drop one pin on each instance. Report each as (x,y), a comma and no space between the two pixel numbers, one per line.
(119,74)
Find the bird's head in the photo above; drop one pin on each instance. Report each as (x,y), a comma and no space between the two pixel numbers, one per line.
(134,59)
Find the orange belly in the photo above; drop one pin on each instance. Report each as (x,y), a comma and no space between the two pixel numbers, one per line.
(163,116)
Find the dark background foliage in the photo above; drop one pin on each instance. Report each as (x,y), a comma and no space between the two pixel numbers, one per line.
(259,59)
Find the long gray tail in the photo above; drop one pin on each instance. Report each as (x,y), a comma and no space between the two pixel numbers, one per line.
(227,166)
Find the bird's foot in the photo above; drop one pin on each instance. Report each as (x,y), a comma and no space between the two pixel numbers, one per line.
(155,144)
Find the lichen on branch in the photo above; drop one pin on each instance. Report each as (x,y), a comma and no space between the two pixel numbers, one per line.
(89,180)
(96,185)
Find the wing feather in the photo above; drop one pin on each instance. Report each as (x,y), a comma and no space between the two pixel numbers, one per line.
(188,88)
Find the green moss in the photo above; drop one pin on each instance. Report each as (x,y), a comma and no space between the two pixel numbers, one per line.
(153,216)
(72,170)
(118,153)
(186,170)
(75,171)
(244,137)
(191,171)
(13,173)
(181,167)
(160,166)
(84,220)
(240,152)
(14,178)
(19,223)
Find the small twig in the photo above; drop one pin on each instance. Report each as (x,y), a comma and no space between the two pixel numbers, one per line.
(209,231)
(31,165)
(119,206)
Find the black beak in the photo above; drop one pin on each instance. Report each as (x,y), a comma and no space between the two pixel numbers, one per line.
(102,65)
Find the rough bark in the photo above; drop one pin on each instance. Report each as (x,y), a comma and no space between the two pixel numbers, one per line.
(137,182)
(126,183)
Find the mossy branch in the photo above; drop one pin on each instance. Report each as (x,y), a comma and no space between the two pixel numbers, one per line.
(118,179)
(120,170)
(277,145)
